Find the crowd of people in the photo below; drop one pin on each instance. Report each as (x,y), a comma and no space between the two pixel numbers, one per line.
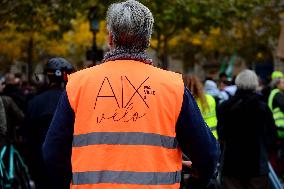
(128,124)
(247,119)
(248,125)
(26,113)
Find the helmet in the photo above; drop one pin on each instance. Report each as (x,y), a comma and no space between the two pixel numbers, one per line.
(57,69)
(276,74)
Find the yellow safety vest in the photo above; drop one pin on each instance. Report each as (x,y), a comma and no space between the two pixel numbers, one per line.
(209,115)
(278,115)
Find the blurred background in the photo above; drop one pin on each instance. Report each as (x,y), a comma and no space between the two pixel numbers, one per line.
(207,37)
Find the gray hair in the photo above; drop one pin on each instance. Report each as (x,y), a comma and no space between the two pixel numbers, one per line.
(130,24)
(247,79)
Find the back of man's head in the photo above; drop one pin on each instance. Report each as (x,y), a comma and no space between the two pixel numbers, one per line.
(56,69)
(130,24)
(247,80)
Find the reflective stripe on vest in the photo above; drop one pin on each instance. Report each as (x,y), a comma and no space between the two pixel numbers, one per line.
(125,138)
(278,115)
(209,115)
(124,131)
(124,177)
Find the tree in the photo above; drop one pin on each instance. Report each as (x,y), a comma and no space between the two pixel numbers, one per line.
(182,27)
(31,17)
(174,18)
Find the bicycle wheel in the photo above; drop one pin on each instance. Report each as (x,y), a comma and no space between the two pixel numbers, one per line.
(13,171)
(21,178)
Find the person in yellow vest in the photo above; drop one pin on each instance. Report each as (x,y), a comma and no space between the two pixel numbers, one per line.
(205,102)
(276,104)
(125,123)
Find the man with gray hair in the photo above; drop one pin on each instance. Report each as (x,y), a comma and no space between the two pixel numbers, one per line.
(126,122)
(246,131)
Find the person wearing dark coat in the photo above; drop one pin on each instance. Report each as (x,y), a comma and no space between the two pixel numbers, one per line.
(247,132)
(11,116)
(39,115)
(13,90)
(130,28)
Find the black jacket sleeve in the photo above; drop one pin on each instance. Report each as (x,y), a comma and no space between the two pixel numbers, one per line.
(58,144)
(196,140)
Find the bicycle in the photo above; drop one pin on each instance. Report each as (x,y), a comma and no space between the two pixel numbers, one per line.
(13,171)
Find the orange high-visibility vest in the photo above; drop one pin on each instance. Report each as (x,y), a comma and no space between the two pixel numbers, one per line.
(124,132)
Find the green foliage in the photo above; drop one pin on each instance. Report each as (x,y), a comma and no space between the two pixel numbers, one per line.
(245,26)
(182,27)
(30,15)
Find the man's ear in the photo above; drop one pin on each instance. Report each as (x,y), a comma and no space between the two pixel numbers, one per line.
(110,38)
